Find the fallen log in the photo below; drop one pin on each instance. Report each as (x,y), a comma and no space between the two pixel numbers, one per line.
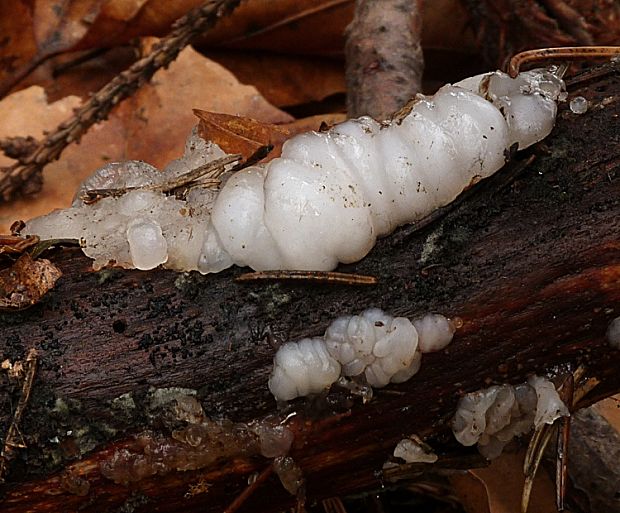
(529,260)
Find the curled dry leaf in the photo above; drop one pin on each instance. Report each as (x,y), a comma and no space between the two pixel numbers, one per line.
(26,281)
(235,134)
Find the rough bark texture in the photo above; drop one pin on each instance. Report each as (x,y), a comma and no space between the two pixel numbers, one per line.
(595,448)
(506,27)
(532,269)
(384,56)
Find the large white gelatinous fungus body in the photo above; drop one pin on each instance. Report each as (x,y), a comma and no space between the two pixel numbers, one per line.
(302,368)
(492,417)
(374,346)
(330,194)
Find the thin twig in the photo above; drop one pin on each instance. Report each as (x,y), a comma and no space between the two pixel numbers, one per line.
(249,490)
(211,170)
(25,175)
(10,441)
(533,456)
(330,277)
(564,53)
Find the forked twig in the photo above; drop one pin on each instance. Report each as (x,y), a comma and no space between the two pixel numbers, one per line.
(24,175)
(10,440)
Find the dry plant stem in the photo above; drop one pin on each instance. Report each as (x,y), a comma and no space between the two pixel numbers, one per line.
(310,276)
(384,56)
(566,53)
(10,440)
(561,473)
(24,176)
(209,172)
(249,490)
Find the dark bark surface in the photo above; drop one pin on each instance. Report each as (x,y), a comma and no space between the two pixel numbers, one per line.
(533,269)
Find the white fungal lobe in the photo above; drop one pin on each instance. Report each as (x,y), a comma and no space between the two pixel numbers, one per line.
(302,368)
(374,345)
(412,451)
(492,417)
(613,333)
(330,194)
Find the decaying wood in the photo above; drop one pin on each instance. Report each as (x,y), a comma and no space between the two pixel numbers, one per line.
(384,57)
(533,270)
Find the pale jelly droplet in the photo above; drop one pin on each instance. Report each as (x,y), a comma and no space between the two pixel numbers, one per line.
(579,105)
(147,245)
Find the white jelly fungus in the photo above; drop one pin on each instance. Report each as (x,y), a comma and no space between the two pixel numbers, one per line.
(374,346)
(327,198)
(492,417)
(412,451)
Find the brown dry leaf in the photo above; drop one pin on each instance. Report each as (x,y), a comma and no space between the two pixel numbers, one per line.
(610,409)
(33,31)
(26,281)
(503,481)
(152,125)
(287,26)
(472,492)
(285,80)
(242,135)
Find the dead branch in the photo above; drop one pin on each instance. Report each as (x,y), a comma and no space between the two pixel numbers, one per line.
(384,57)
(533,270)
(25,175)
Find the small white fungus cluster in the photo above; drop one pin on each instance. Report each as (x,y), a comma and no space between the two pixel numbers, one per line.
(492,417)
(381,348)
(414,451)
(330,194)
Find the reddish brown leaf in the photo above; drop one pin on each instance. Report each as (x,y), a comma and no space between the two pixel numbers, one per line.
(239,135)
(26,281)
(236,134)
(503,482)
